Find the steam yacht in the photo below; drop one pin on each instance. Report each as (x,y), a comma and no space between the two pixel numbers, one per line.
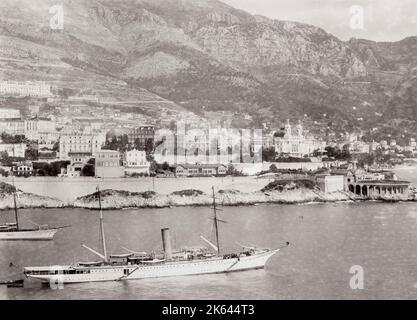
(138,265)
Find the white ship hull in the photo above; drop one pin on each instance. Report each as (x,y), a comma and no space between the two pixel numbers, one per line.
(134,272)
(28,235)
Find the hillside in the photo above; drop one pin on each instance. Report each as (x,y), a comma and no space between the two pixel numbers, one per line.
(203,54)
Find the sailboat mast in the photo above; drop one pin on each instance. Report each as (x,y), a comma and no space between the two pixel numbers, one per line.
(103,238)
(215,224)
(15,205)
(15,209)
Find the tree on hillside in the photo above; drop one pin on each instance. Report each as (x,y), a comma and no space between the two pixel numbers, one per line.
(88,171)
(273,168)
(31,154)
(231,171)
(13,139)
(165,166)
(149,146)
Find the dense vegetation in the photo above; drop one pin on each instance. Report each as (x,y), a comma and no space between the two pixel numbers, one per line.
(6,188)
(281,185)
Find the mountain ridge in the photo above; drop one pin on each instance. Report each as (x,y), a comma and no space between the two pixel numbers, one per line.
(207,55)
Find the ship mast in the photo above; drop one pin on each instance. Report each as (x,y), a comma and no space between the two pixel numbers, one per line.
(15,206)
(102,226)
(216,224)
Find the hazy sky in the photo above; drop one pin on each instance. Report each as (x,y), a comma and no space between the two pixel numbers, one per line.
(383,20)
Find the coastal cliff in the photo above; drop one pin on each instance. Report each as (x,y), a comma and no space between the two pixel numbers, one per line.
(114,199)
(25,200)
(275,192)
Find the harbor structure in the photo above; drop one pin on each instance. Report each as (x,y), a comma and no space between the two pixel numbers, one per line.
(194,170)
(379,188)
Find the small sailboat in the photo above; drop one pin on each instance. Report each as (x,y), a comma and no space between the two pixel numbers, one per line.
(139,265)
(13,230)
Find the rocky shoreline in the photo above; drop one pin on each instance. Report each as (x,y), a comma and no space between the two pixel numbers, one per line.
(119,199)
(29,201)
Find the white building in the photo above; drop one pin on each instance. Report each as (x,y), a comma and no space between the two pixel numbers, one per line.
(25,89)
(48,138)
(136,162)
(329,184)
(295,143)
(37,127)
(80,143)
(12,126)
(14,150)
(9,113)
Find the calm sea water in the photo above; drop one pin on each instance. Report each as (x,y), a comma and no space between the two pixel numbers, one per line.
(327,240)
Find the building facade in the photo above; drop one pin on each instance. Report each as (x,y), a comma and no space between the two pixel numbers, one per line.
(13,150)
(12,126)
(77,164)
(141,136)
(22,169)
(80,143)
(292,141)
(107,164)
(9,113)
(37,127)
(331,183)
(25,89)
(197,170)
(136,162)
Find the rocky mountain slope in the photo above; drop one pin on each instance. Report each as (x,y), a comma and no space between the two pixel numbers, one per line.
(203,54)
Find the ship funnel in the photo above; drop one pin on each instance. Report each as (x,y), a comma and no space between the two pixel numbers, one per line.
(166,243)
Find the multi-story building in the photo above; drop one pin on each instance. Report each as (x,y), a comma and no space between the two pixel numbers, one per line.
(22,169)
(36,127)
(25,89)
(295,143)
(136,162)
(80,142)
(107,164)
(141,136)
(9,113)
(13,150)
(12,126)
(48,138)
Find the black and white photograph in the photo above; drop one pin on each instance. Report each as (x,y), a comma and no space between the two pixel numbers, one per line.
(205,150)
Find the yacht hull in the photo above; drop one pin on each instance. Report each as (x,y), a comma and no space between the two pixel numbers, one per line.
(135,272)
(28,235)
